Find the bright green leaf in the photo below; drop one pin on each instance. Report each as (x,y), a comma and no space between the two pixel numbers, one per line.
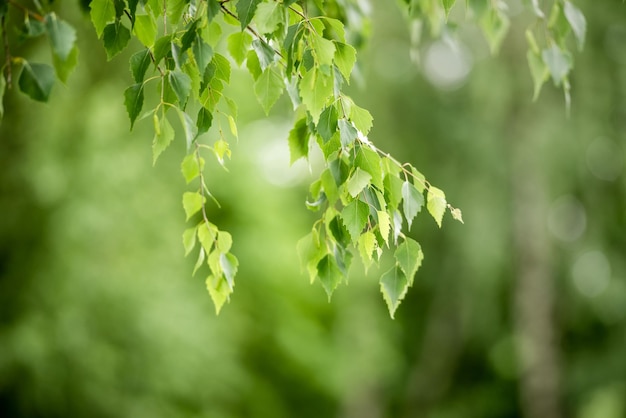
(189,128)
(199,261)
(102,12)
(361,118)
(191,167)
(36,80)
(323,49)
(145,29)
(229,265)
(133,100)
(457,215)
(409,257)
(268,88)
(412,201)
(315,89)
(367,245)
(207,232)
(162,139)
(393,285)
(310,252)
(436,204)
(219,291)
(253,65)
(299,140)
(238,45)
(222,67)
(268,17)
(384,225)
(221,149)
(368,160)
(358,181)
(224,241)
(329,186)
(354,216)
(447,5)
(192,203)
(189,239)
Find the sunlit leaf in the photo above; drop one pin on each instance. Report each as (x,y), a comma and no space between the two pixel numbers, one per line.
(189,239)
(238,45)
(367,245)
(436,204)
(329,274)
(191,167)
(299,141)
(354,216)
(268,88)
(219,291)
(393,286)
(102,12)
(409,257)
(192,203)
(162,139)
(145,29)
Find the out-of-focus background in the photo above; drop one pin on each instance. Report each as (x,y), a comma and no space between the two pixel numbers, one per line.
(520,312)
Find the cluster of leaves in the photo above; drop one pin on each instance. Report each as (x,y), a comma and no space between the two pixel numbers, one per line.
(365,197)
(549,54)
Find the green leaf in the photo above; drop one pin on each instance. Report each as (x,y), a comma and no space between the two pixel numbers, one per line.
(162,48)
(558,62)
(329,274)
(393,190)
(207,232)
(327,125)
(175,9)
(203,53)
(64,68)
(102,12)
(495,25)
(181,84)
(245,11)
(268,17)
(229,265)
(199,261)
(163,137)
(189,239)
(268,88)
(238,45)
(447,5)
(538,71)
(253,65)
(139,64)
(359,180)
(115,37)
(412,201)
(361,118)
(204,121)
(577,21)
(345,58)
(145,29)
(222,67)
(347,132)
(384,225)
(36,80)
(133,100)
(436,204)
(354,217)
(367,245)
(315,89)
(219,291)
(213,9)
(310,252)
(299,140)
(264,52)
(192,203)
(323,49)
(368,160)
(393,285)
(62,36)
(329,186)
(190,167)
(189,128)
(221,149)
(409,257)
(3,85)
(224,241)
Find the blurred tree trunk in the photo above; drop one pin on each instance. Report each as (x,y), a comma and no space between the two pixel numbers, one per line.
(537,351)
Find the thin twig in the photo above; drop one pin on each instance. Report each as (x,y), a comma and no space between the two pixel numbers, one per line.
(26,10)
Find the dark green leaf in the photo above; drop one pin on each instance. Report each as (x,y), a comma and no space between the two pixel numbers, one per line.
(245,11)
(190,35)
(36,80)
(299,140)
(327,125)
(339,170)
(116,37)
(139,64)
(329,274)
(354,217)
(181,84)
(133,99)
(62,36)
(204,121)
(393,285)
(64,68)
(213,9)
(339,232)
(310,252)
(162,48)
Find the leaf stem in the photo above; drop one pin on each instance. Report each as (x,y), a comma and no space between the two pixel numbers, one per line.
(26,10)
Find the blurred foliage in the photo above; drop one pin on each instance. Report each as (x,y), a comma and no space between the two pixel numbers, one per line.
(99,316)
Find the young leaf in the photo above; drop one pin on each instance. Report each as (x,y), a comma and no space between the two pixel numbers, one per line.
(219,291)
(62,36)
(345,57)
(102,12)
(384,225)
(222,67)
(323,49)
(354,217)
(36,80)
(310,252)
(268,16)
(145,29)
(347,132)
(299,140)
(199,261)
(359,180)
(207,232)
(133,100)
(409,257)
(447,5)
(412,201)
(577,21)
(361,118)
(115,37)
(191,168)
(224,241)
(238,45)
(192,203)
(139,64)
(315,88)
(189,239)
(268,88)
(245,11)
(162,139)
(329,274)
(367,245)
(457,215)
(436,204)
(393,285)
(369,161)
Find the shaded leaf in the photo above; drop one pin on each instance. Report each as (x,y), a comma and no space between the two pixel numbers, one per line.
(329,274)
(189,128)
(64,68)
(409,257)
(347,132)
(577,21)
(327,125)
(115,37)
(310,252)
(36,80)
(393,285)
(203,53)
(558,62)
(139,64)
(133,100)
(162,139)
(538,71)
(189,239)
(62,36)
(412,201)
(264,52)
(368,160)
(204,121)
(354,216)
(229,265)
(181,84)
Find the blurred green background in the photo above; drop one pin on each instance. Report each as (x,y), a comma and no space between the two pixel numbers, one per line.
(520,312)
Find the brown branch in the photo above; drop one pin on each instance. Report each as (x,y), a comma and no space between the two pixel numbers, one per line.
(29,12)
